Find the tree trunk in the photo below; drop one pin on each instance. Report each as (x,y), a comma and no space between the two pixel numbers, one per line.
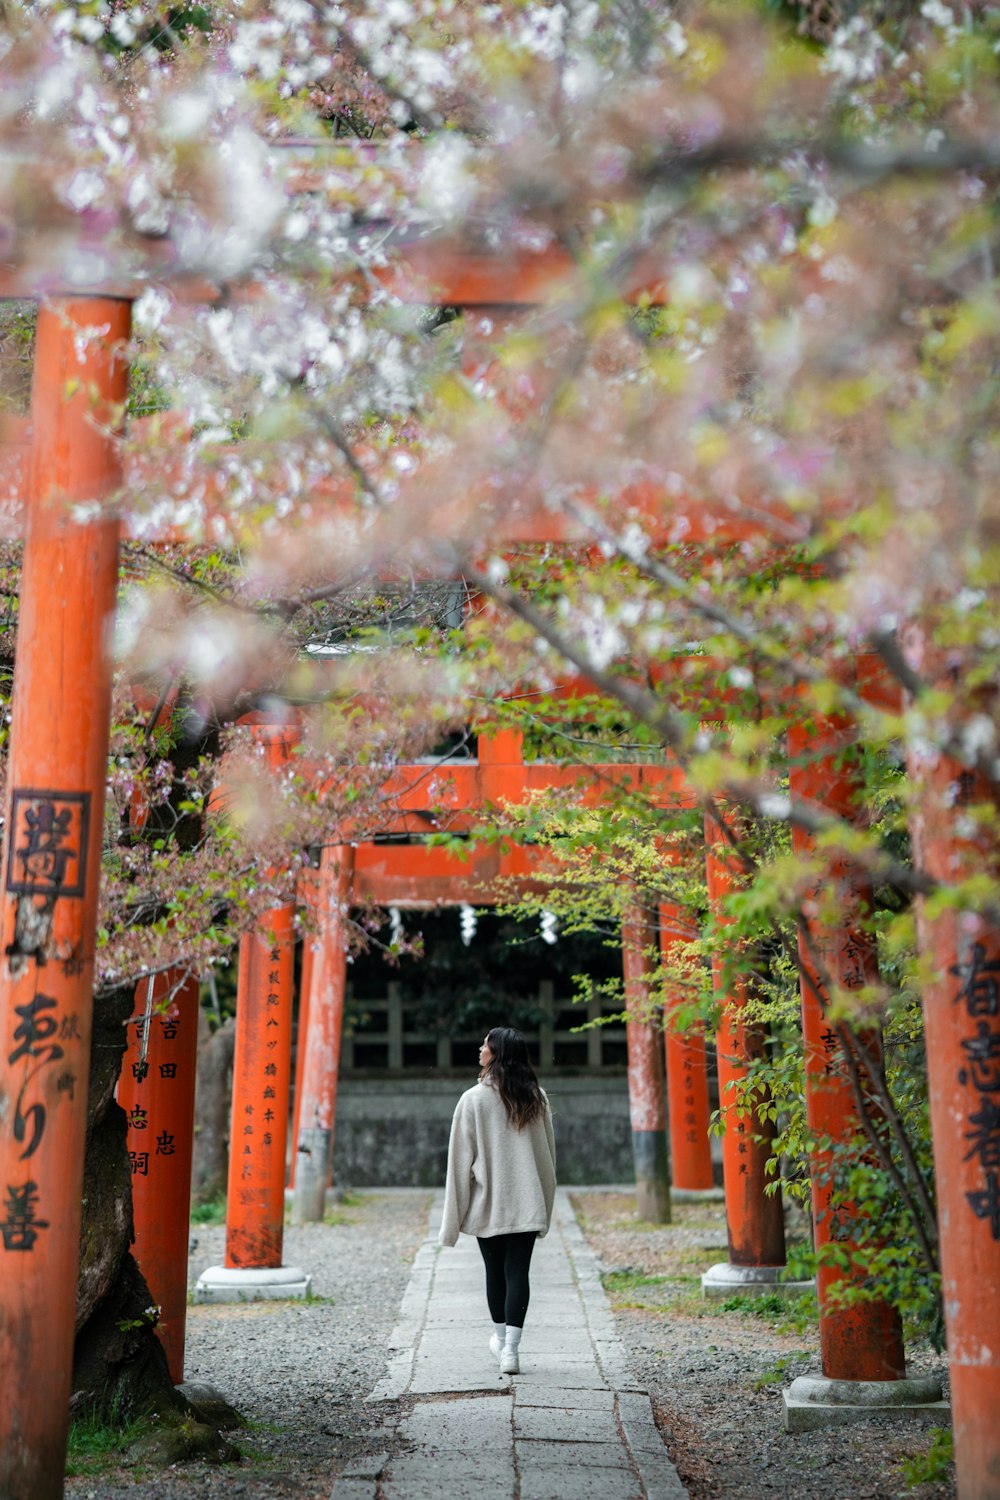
(119,1365)
(213,1091)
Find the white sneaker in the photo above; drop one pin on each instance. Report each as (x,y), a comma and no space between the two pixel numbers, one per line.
(496,1348)
(509,1362)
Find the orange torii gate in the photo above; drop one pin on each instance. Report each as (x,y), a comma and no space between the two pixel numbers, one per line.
(418,875)
(50,885)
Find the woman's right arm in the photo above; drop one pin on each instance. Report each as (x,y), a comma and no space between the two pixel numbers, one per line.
(458,1184)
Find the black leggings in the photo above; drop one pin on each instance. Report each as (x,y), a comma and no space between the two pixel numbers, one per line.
(507,1258)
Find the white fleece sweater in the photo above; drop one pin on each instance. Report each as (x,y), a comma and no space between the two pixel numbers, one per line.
(500,1180)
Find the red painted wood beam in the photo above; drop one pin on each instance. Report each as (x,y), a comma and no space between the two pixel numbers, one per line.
(469,787)
(424,875)
(443,271)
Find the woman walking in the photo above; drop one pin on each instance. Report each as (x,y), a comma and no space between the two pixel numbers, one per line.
(502,1180)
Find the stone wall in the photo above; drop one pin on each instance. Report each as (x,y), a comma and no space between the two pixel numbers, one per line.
(393,1132)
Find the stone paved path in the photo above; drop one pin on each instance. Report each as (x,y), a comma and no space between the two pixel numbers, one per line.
(573,1425)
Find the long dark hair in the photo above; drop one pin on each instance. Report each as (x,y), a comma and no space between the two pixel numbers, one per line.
(511,1074)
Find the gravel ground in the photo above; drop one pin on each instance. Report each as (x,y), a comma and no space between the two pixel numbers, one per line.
(716,1377)
(297,1370)
(300,1371)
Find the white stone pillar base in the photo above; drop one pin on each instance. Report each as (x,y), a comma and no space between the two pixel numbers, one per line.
(813,1401)
(243,1284)
(725,1280)
(697,1195)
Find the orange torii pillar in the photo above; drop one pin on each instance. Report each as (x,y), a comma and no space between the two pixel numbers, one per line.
(156,1091)
(645,1070)
(962,1028)
(308,893)
(861,1346)
(754,1219)
(55,809)
(687,1078)
(328,982)
(258,1136)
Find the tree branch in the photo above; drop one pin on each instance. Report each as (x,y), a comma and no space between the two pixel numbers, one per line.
(859,159)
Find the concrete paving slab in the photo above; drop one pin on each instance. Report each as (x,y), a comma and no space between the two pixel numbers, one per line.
(563,1426)
(531,1396)
(537,1453)
(543,1371)
(415,1478)
(395,1377)
(454,1311)
(662,1483)
(480,1465)
(426,1382)
(354,1489)
(368,1466)
(659,1475)
(540,1353)
(613,1361)
(580,1484)
(463,1425)
(464,1343)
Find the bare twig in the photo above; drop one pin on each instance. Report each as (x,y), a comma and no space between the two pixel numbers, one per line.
(161,703)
